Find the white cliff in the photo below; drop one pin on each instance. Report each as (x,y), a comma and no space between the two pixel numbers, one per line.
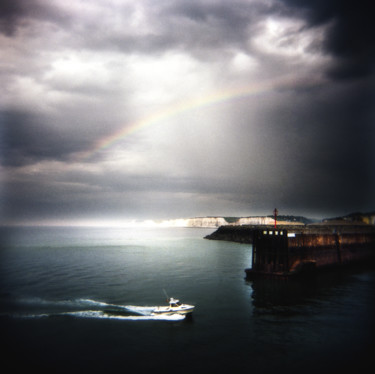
(207,222)
(254,221)
(212,222)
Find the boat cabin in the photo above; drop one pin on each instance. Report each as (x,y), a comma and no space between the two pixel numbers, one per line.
(174,303)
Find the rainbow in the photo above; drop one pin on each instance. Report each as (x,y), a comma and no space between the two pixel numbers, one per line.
(214,98)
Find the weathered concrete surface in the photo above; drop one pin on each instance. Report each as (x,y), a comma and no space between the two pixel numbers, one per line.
(244,233)
(289,250)
(239,234)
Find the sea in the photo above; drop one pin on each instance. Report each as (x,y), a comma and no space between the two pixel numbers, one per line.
(76,299)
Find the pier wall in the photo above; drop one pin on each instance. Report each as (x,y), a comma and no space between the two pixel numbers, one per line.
(331,249)
(290,250)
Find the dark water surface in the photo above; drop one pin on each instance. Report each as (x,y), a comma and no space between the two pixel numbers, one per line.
(80,300)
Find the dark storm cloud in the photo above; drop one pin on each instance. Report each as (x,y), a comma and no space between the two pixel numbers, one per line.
(350,37)
(15,14)
(336,152)
(222,23)
(199,26)
(316,149)
(28,138)
(195,27)
(11,14)
(78,69)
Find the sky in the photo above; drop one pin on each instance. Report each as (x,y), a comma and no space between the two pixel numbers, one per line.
(118,110)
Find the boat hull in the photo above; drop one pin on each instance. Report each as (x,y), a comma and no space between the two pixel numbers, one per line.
(183,309)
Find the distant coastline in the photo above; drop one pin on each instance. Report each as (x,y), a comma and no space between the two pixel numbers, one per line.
(289,220)
(208,222)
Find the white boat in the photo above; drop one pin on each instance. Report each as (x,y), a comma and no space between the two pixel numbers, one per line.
(174,307)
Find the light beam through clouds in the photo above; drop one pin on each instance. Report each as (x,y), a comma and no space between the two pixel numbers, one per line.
(214,99)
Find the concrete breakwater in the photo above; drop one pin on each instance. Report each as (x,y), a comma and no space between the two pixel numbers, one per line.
(244,233)
(239,234)
(291,250)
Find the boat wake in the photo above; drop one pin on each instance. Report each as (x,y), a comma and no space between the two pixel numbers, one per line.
(82,308)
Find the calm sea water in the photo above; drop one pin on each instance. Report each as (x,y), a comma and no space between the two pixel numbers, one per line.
(80,300)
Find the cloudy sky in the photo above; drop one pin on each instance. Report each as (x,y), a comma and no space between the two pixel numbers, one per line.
(113,110)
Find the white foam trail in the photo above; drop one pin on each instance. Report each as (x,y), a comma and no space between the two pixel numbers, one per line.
(89,308)
(36,301)
(95,314)
(92,302)
(102,315)
(145,310)
(75,303)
